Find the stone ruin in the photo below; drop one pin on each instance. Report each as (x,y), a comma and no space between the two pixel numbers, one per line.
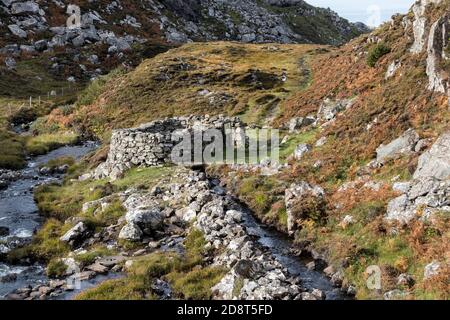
(151,144)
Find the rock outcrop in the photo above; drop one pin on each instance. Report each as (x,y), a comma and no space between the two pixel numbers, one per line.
(429,192)
(432,36)
(35,23)
(437,41)
(403,145)
(330,108)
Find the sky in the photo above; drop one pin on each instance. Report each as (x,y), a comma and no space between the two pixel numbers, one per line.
(371,12)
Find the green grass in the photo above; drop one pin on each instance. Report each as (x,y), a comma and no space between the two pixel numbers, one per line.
(187,276)
(288,148)
(45,245)
(196,284)
(58,203)
(108,216)
(89,257)
(117,289)
(144,178)
(97,87)
(58,162)
(56,268)
(12,155)
(45,143)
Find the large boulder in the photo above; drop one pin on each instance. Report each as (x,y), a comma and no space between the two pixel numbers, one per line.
(131,232)
(429,192)
(76,234)
(330,108)
(140,222)
(150,218)
(401,146)
(435,162)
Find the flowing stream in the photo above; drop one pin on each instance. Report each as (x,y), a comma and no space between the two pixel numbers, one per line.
(19,213)
(280,246)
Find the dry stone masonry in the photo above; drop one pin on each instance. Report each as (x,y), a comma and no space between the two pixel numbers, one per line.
(151,144)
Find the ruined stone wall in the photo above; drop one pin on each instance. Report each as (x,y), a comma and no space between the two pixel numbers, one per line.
(151,144)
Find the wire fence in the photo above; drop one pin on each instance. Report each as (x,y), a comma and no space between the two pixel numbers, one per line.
(36,101)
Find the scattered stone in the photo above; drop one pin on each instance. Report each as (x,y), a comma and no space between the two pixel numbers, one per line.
(395,295)
(405,280)
(337,279)
(319,294)
(321,142)
(41,45)
(351,291)
(83,276)
(301,150)
(10,63)
(393,67)
(110,262)
(403,145)
(309,296)
(329,108)
(347,221)
(431,270)
(45,171)
(98,268)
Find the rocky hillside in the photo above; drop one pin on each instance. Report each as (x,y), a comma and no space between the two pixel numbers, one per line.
(250,80)
(364,128)
(106,34)
(362,186)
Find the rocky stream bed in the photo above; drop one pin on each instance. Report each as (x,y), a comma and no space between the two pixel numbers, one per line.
(262,263)
(19,216)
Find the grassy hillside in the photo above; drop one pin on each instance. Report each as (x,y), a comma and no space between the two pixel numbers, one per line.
(212,78)
(383,109)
